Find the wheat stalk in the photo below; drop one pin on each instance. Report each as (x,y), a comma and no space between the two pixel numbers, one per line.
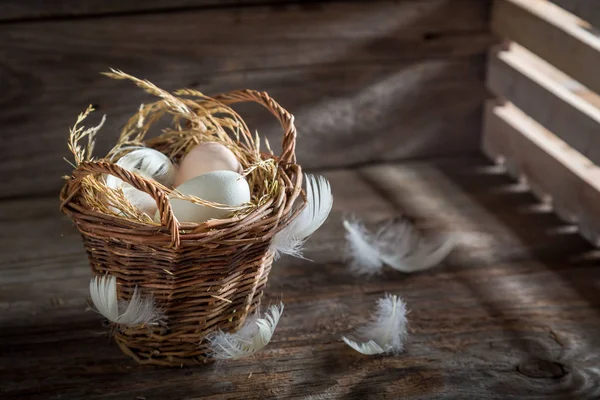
(194,120)
(77,133)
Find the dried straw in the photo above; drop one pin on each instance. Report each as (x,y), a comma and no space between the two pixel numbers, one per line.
(207,120)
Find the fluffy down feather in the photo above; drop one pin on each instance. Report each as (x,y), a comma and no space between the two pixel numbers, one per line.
(319,203)
(254,335)
(387,330)
(137,311)
(397,244)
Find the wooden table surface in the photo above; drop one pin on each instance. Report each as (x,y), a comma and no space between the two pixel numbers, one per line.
(514,313)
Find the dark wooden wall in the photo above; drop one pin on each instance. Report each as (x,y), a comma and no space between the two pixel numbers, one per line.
(367,81)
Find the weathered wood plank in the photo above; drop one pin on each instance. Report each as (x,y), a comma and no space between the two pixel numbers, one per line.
(585,9)
(11,10)
(345,115)
(587,95)
(349,72)
(19,10)
(512,314)
(551,166)
(528,82)
(552,33)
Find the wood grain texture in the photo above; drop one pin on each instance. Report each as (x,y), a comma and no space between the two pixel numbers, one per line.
(20,10)
(543,94)
(513,313)
(550,166)
(555,35)
(11,10)
(585,9)
(365,82)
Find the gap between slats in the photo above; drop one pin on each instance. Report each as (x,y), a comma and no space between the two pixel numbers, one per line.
(554,34)
(553,99)
(552,168)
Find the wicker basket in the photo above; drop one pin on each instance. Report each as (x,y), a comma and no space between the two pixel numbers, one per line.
(204,277)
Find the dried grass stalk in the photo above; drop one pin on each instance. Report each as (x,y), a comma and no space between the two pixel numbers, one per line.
(206,119)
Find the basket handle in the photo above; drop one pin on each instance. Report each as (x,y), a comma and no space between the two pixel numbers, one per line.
(145,185)
(285,118)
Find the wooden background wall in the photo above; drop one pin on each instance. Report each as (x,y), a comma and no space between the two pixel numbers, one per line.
(367,81)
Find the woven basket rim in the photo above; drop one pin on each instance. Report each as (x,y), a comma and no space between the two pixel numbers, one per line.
(279,209)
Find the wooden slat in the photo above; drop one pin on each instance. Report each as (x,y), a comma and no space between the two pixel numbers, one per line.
(11,10)
(552,33)
(365,82)
(546,96)
(587,10)
(550,165)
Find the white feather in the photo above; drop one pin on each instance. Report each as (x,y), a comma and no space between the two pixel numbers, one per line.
(137,311)
(150,164)
(368,348)
(397,244)
(319,203)
(103,290)
(387,330)
(364,257)
(254,335)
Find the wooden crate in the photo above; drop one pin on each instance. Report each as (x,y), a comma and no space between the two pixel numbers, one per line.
(389,98)
(545,123)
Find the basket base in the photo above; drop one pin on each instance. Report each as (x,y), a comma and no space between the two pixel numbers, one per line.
(174,348)
(155,358)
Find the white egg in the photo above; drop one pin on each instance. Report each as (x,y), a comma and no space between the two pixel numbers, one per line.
(204,158)
(223,187)
(150,164)
(141,200)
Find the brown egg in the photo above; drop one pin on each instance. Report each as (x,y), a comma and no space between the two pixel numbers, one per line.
(204,158)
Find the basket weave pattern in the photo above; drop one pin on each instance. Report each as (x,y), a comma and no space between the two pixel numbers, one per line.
(203,277)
